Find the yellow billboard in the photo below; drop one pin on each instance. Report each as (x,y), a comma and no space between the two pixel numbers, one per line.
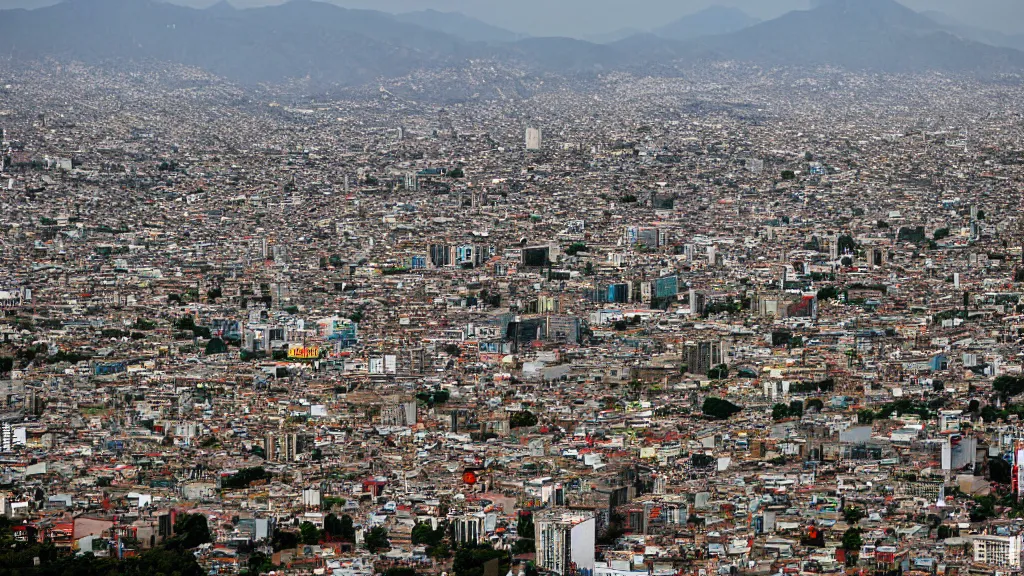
(304,352)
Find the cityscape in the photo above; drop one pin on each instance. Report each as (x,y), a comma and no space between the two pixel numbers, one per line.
(522,306)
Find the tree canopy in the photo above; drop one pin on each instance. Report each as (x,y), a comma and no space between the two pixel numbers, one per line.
(471,558)
(852,540)
(852,515)
(21,557)
(340,528)
(521,419)
(308,533)
(718,408)
(376,540)
(244,477)
(719,372)
(190,530)
(1008,386)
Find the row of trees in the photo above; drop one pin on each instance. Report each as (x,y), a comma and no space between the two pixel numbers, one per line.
(795,408)
(173,557)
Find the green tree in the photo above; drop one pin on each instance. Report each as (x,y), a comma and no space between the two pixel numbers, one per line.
(161,561)
(718,408)
(525,532)
(471,558)
(216,346)
(191,530)
(852,541)
(308,533)
(852,515)
(376,540)
(284,540)
(424,534)
(575,248)
(259,563)
(814,404)
(522,419)
(244,477)
(780,412)
(796,408)
(347,530)
(984,508)
(999,470)
(332,526)
(847,244)
(828,293)
(1008,386)
(719,372)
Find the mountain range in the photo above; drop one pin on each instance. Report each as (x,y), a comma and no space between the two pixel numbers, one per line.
(330,45)
(713,21)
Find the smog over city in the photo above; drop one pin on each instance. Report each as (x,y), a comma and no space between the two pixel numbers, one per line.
(512,288)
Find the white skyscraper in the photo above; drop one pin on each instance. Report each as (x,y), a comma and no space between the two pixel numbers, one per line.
(533,139)
(565,541)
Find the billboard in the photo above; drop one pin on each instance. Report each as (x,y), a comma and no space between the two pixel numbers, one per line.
(109,368)
(304,352)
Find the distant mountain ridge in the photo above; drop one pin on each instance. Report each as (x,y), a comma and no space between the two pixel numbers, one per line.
(992,37)
(329,45)
(880,35)
(460,26)
(712,21)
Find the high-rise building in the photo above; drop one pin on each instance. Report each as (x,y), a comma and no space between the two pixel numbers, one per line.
(292,445)
(270,451)
(997,550)
(565,541)
(469,528)
(703,356)
(533,139)
(698,301)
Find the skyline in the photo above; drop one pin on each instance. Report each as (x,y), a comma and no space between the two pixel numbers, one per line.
(588,19)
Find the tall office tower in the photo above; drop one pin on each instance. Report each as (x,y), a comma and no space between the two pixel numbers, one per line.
(533,139)
(565,541)
(703,356)
(270,450)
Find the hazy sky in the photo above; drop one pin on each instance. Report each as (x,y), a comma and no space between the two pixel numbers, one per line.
(588,17)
